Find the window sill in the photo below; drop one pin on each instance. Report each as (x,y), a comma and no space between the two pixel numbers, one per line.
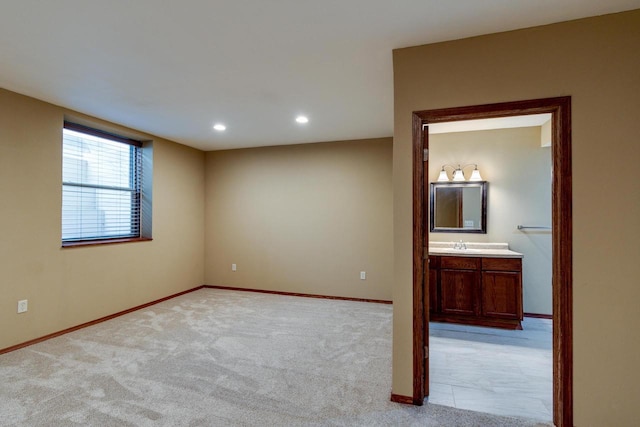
(83,243)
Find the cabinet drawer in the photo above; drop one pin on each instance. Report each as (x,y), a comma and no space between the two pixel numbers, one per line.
(462,263)
(502,264)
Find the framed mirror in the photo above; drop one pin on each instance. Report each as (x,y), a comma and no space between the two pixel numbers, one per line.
(459,207)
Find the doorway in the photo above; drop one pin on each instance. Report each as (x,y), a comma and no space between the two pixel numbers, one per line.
(559,108)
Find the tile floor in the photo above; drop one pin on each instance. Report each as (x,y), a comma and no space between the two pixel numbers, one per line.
(493,370)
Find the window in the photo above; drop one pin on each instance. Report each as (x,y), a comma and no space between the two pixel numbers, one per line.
(101,186)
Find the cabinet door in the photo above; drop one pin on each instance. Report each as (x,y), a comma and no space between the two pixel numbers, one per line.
(459,291)
(433,290)
(502,294)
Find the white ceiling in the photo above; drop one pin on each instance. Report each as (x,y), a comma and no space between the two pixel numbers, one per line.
(174,68)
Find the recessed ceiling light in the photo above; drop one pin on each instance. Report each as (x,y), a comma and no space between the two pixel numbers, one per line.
(302,119)
(219,127)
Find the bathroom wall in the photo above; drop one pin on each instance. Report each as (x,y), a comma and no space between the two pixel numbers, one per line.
(518,172)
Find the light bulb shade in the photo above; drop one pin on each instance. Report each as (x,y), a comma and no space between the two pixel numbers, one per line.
(475,175)
(458,175)
(443,176)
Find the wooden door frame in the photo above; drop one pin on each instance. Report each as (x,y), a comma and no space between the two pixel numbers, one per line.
(562,270)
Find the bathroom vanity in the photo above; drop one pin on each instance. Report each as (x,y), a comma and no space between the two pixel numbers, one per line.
(476,284)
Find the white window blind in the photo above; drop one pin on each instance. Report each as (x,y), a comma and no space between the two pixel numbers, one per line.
(101,177)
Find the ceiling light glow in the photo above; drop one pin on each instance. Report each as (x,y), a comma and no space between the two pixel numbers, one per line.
(302,119)
(219,127)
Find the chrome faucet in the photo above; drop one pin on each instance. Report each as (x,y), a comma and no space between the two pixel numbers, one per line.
(460,245)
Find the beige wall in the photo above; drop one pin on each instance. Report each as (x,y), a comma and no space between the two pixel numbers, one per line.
(67,287)
(596,62)
(518,172)
(304,218)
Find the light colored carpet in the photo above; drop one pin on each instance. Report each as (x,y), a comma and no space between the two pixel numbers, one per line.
(221,358)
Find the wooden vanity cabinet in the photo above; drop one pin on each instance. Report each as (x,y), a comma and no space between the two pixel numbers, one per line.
(476,290)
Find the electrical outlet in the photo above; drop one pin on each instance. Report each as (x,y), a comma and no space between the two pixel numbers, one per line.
(22,306)
(363,275)
(233,267)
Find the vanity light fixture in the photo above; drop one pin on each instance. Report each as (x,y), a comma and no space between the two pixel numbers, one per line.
(458,175)
(443,177)
(475,175)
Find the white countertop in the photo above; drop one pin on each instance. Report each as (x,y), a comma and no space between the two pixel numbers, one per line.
(493,250)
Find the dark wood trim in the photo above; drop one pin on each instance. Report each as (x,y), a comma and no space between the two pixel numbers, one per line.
(562,272)
(94,322)
(486,111)
(101,134)
(295,294)
(424,260)
(539,316)
(419,322)
(101,242)
(562,280)
(398,398)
